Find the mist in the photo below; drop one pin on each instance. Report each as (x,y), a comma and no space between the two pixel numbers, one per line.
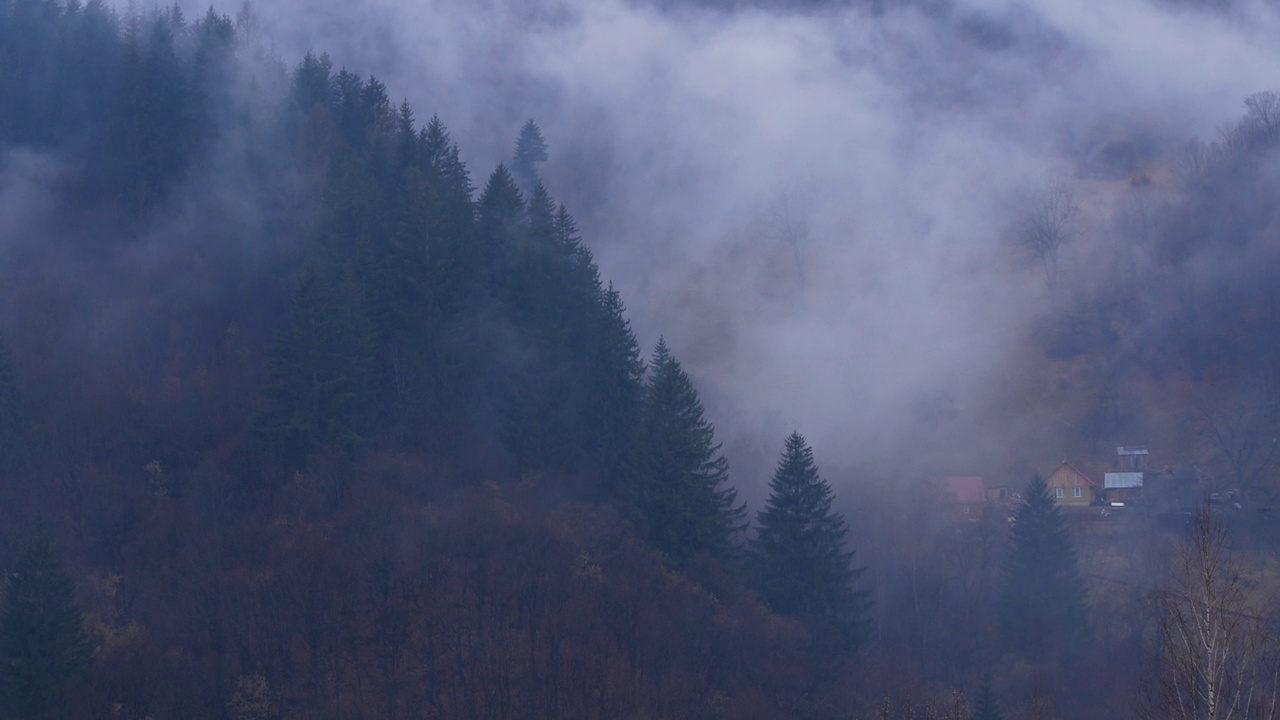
(811,205)
(322,423)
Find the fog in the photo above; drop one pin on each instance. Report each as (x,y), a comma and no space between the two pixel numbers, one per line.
(813,206)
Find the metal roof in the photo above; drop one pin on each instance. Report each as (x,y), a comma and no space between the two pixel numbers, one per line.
(1122,480)
(1132,450)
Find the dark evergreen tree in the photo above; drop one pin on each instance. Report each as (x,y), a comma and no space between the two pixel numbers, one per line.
(28,68)
(803,568)
(211,76)
(13,419)
(531,150)
(549,310)
(43,646)
(148,145)
(313,83)
(614,388)
(536,292)
(987,708)
(1042,600)
(407,141)
(453,221)
(323,371)
(681,492)
(501,212)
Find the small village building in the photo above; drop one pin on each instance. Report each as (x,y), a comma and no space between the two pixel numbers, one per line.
(1003,494)
(1069,486)
(1132,458)
(1122,487)
(966,493)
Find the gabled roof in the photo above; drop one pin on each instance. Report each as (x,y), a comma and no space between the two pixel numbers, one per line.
(1078,471)
(963,489)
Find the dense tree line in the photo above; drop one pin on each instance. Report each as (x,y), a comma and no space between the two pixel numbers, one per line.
(406,458)
(351,488)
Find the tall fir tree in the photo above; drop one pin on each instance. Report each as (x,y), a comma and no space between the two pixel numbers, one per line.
(802,566)
(323,370)
(500,214)
(43,645)
(987,707)
(1042,600)
(453,227)
(681,493)
(545,416)
(531,151)
(313,83)
(614,386)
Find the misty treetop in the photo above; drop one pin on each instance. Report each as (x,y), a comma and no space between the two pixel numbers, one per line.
(331,425)
(802,564)
(681,487)
(137,97)
(531,150)
(456,314)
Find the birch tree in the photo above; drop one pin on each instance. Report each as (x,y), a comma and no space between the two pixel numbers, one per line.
(1217,652)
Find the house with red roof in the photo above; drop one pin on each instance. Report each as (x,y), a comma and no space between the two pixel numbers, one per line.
(1069,486)
(965,493)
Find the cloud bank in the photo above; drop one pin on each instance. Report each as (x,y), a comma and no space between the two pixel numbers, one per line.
(812,206)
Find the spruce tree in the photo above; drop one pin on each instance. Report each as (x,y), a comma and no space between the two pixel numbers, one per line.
(323,370)
(614,386)
(43,646)
(531,149)
(452,230)
(1042,600)
(681,494)
(803,568)
(549,306)
(313,83)
(987,708)
(500,213)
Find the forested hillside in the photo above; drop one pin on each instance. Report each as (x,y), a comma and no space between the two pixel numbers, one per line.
(302,416)
(318,428)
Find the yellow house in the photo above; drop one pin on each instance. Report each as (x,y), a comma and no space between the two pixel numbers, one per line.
(1068,485)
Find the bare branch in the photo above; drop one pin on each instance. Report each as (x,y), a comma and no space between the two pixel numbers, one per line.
(1217,652)
(1046,224)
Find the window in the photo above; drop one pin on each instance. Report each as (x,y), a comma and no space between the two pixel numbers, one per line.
(1059,492)
(1075,492)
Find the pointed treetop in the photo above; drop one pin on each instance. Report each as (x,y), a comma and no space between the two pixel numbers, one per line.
(661,354)
(531,149)
(802,565)
(501,199)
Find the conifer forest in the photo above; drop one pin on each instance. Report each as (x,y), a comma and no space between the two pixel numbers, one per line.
(640,359)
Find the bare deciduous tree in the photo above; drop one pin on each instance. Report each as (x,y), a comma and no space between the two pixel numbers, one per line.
(1046,224)
(781,223)
(1243,443)
(1262,115)
(1217,653)
(1193,163)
